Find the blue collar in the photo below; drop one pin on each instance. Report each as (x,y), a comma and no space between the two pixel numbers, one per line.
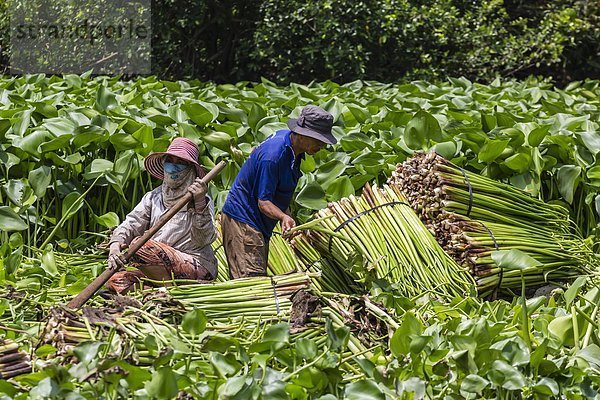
(288,138)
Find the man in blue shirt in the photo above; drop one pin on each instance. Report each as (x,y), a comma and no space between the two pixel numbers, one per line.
(261,193)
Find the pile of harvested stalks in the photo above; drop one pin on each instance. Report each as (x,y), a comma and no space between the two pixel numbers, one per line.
(472,216)
(378,236)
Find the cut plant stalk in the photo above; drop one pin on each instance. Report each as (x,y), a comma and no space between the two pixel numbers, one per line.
(12,361)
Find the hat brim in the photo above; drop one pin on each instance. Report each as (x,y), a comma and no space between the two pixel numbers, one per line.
(323,137)
(154,165)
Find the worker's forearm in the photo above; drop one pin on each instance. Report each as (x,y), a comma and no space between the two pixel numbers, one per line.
(270,210)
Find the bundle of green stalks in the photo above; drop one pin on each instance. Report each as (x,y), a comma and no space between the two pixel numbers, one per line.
(229,306)
(126,332)
(12,361)
(222,266)
(471,216)
(241,309)
(379,236)
(472,246)
(67,328)
(282,258)
(294,255)
(258,299)
(434,186)
(330,276)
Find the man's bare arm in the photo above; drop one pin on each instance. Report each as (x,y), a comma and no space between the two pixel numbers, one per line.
(272,211)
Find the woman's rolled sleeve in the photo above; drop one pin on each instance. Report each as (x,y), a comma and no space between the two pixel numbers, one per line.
(135,223)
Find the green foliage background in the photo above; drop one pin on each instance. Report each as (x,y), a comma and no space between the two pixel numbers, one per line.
(384,40)
(72,147)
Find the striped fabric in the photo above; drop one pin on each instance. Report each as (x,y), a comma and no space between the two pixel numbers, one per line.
(180,147)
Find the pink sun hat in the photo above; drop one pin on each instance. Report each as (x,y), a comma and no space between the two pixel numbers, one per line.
(180,147)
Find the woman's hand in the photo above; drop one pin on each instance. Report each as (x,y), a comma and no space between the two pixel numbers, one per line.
(198,189)
(115,261)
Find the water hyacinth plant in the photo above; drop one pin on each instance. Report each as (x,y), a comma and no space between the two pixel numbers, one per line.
(371,298)
(59,134)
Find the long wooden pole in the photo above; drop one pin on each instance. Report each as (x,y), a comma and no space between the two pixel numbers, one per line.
(93,287)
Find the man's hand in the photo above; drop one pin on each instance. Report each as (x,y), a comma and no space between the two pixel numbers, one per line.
(198,189)
(115,261)
(273,212)
(287,223)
